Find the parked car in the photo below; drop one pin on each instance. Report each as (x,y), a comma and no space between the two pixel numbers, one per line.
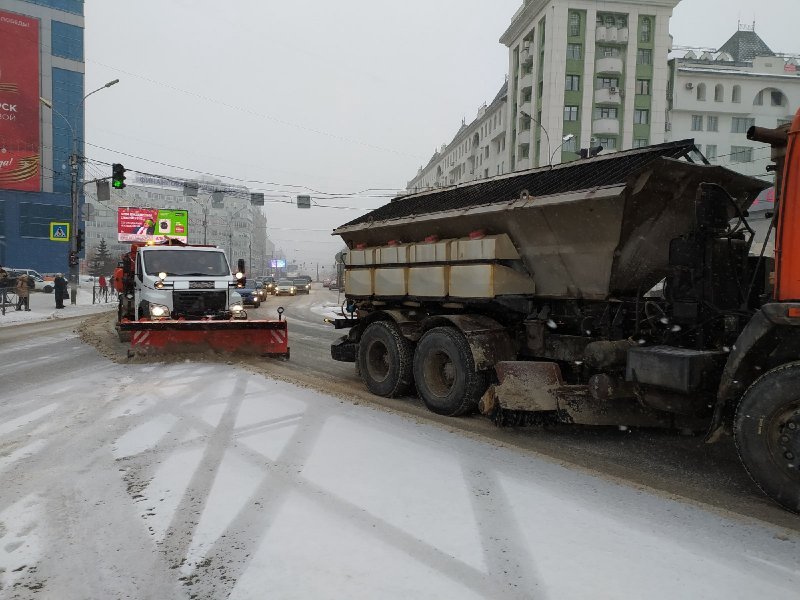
(303,285)
(250,295)
(326,283)
(285,287)
(39,282)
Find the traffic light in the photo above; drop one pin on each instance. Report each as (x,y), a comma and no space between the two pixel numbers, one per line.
(80,237)
(117,176)
(73,259)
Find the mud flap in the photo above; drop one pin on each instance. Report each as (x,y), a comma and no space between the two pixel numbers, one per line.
(262,338)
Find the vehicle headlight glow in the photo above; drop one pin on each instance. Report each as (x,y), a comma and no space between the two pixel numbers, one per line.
(239,275)
(159,311)
(162,275)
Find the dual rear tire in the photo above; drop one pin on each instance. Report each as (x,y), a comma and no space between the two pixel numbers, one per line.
(441,365)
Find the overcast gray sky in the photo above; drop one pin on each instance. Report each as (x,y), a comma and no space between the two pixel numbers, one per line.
(333,97)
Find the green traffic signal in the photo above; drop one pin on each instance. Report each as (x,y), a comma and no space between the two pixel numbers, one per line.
(117,176)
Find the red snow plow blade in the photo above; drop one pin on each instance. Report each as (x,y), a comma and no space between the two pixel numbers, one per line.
(263,338)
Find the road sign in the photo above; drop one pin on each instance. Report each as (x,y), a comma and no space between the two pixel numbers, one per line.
(59,232)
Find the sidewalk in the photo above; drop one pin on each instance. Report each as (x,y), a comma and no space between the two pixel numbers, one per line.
(43,308)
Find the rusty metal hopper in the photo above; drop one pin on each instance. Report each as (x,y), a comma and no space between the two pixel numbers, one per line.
(591,229)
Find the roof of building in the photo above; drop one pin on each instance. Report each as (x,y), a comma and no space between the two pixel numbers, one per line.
(744,46)
(601,171)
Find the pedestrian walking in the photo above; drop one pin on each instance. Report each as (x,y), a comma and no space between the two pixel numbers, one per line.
(103,287)
(23,293)
(60,289)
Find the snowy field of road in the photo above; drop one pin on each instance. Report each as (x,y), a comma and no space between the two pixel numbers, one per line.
(210,480)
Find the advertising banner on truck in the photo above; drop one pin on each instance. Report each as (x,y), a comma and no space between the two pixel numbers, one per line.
(19,103)
(152,224)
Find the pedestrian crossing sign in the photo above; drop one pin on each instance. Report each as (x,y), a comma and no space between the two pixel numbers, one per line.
(59,232)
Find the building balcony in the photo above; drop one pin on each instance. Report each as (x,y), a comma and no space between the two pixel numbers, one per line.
(609,64)
(608,96)
(526,80)
(612,34)
(605,126)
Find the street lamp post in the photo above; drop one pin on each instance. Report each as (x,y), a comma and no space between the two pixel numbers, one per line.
(73,162)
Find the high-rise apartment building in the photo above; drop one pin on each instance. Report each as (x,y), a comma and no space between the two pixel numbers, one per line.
(592,72)
(41,55)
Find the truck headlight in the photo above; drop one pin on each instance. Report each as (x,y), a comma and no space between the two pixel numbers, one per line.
(159,311)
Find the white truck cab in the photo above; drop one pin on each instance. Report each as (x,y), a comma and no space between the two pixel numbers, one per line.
(184,282)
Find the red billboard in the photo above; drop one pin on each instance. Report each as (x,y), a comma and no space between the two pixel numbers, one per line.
(19,103)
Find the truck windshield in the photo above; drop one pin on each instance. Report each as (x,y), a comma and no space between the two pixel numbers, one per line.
(183,263)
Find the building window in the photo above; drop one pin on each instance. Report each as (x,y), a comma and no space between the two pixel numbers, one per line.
(697,122)
(741,124)
(524,150)
(67,40)
(641,116)
(570,113)
(575,51)
(605,112)
(640,142)
(711,152)
(608,51)
(719,93)
(782,122)
(574,24)
(736,94)
(644,56)
(740,154)
(643,87)
(644,30)
(701,92)
(573,83)
(713,123)
(608,143)
(777,98)
(571,145)
(607,82)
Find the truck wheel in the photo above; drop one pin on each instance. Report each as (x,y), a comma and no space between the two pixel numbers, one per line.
(767,434)
(384,360)
(445,374)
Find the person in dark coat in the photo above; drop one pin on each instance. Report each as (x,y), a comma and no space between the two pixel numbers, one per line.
(60,289)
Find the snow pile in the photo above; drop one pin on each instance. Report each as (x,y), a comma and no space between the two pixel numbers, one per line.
(43,308)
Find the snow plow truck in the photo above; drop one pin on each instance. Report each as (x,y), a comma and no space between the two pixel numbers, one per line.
(175,297)
(623,289)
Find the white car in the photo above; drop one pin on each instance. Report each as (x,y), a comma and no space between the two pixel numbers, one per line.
(39,282)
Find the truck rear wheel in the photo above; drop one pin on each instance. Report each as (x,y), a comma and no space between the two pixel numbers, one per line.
(445,374)
(384,360)
(767,434)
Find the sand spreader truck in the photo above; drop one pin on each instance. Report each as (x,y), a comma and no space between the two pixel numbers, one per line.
(622,290)
(175,297)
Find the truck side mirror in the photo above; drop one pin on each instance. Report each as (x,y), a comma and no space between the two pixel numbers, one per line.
(240,265)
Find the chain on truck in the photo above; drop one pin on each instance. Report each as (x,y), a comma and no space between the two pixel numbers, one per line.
(175,297)
(623,289)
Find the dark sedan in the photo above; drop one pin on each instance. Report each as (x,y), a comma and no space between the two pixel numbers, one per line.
(303,285)
(250,296)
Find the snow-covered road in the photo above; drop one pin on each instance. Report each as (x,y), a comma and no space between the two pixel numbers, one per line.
(201,480)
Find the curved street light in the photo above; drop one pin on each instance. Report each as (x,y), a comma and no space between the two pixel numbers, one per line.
(73,161)
(564,140)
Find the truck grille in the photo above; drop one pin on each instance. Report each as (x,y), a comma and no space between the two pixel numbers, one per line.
(199,303)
